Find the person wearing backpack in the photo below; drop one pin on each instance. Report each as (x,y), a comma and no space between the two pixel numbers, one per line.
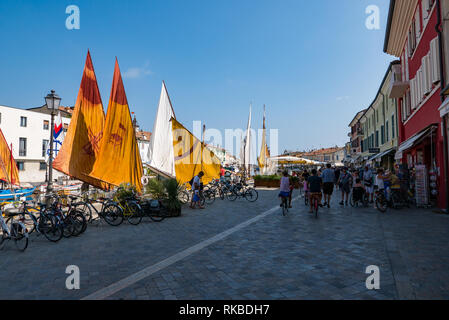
(345,186)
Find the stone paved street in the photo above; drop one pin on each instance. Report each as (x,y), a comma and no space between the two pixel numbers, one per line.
(274,257)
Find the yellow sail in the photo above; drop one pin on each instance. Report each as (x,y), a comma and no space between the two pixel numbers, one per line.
(8,167)
(191,156)
(82,142)
(264,155)
(118,160)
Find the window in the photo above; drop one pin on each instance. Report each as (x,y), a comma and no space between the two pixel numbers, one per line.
(44,147)
(21,166)
(387,133)
(22,147)
(434,60)
(377,138)
(66,127)
(23,121)
(392,127)
(46,125)
(382,135)
(43,166)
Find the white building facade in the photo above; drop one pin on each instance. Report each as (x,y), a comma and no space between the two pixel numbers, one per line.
(28,131)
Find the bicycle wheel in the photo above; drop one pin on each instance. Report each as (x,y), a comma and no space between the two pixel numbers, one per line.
(284,207)
(79,223)
(20,236)
(306,199)
(50,228)
(85,209)
(251,195)
(30,221)
(159,215)
(232,195)
(209,197)
(381,204)
(68,225)
(134,213)
(184,197)
(112,214)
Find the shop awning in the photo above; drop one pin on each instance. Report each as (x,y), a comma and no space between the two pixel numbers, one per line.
(380,155)
(409,143)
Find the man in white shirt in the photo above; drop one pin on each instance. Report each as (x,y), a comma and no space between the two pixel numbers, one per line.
(196,186)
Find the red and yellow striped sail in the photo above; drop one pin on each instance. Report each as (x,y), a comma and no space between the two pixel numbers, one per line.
(119,158)
(8,167)
(82,143)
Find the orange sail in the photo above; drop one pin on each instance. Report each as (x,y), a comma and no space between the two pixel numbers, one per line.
(8,167)
(119,158)
(82,142)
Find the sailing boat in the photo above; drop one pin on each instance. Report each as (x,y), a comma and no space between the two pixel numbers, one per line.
(265,163)
(160,153)
(118,159)
(175,152)
(81,145)
(9,173)
(192,156)
(247,146)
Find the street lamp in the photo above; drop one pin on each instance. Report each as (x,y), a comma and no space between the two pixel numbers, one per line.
(52,100)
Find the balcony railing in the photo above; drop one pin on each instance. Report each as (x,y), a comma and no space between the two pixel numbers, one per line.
(397,86)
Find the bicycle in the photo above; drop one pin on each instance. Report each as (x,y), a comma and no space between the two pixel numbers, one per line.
(131,210)
(154,209)
(362,199)
(241,191)
(315,203)
(380,201)
(284,205)
(184,194)
(109,211)
(16,233)
(46,225)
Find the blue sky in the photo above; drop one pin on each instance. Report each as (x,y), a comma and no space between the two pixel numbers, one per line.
(313,63)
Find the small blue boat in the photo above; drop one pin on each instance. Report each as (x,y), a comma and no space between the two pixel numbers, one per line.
(15,194)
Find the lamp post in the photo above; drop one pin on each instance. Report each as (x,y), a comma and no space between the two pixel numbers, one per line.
(52,100)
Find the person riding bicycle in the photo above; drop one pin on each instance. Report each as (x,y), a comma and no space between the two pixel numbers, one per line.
(284,190)
(314,184)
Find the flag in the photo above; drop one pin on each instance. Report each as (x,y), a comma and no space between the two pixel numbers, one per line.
(118,159)
(58,126)
(82,142)
(192,156)
(8,167)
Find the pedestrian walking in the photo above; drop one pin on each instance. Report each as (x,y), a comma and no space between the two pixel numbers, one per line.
(328,177)
(345,183)
(196,189)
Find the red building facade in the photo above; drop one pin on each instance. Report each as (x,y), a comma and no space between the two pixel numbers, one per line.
(412,36)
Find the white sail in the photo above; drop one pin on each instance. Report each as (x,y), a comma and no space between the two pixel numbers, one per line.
(247,150)
(160,154)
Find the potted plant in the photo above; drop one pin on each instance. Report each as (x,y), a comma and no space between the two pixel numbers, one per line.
(171,202)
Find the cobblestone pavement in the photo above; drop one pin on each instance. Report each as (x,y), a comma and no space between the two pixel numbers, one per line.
(274,257)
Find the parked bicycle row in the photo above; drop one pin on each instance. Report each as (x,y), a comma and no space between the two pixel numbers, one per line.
(216,189)
(65,217)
